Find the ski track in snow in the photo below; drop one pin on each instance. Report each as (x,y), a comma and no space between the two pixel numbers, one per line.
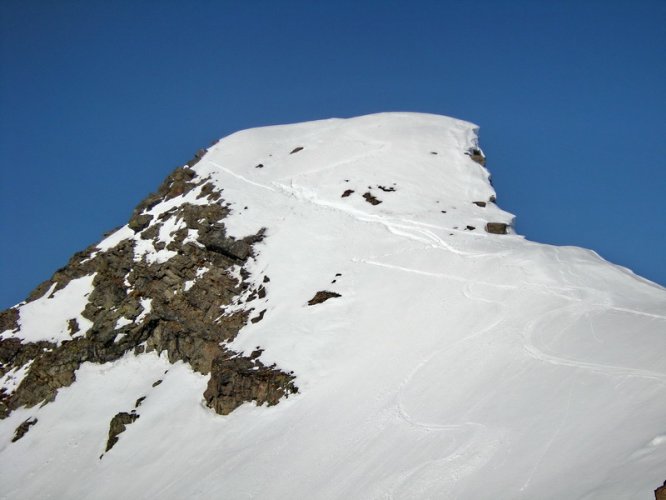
(240,177)
(547,290)
(610,370)
(474,443)
(379,147)
(550,442)
(402,227)
(416,231)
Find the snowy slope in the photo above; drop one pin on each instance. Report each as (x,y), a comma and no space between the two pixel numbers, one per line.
(455,363)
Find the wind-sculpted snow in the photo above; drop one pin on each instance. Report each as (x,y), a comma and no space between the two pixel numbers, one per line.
(447,362)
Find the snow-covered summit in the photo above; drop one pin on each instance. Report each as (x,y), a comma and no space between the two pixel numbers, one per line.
(352,272)
(418,166)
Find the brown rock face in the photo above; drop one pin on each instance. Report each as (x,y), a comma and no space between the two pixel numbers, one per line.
(322,296)
(235,380)
(371,199)
(117,426)
(477,156)
(9,320)
(176,306)
(660,493)
(23,428)
(497,227)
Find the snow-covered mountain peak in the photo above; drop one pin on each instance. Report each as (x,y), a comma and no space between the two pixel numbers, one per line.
(333,309)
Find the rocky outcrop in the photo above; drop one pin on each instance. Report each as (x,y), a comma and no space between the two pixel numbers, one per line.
(322,296)
(117,426)
(476,155)
(370,198)
(187,304)
(23,428)
(9,320)
(236,379)
(497,227)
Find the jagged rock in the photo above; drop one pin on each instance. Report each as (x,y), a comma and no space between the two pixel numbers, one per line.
(259,317)
(73,326)
(177,183)
(497,227)
(347,193)
(117,426)
(476,155)
(371,199)
(209,192)
(216,240)
(23,428)
(140,222)
(235,380)
(322,296)
(197,158)
(9,348)
(296,150)
(480,203)
(14,354)
(9,319)
(53,369)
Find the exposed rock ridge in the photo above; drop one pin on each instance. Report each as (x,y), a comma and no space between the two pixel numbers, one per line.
(189,303)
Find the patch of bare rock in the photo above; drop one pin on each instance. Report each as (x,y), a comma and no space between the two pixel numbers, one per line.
(371,199)
(322,296)
(188,294)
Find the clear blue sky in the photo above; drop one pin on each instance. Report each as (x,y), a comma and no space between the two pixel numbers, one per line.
(100,100)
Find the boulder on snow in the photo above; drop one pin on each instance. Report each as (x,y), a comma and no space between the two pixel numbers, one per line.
(23,428)
(371,199)
(476,155)
(322,296)
(497,227)
(118,425)
(235,380)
